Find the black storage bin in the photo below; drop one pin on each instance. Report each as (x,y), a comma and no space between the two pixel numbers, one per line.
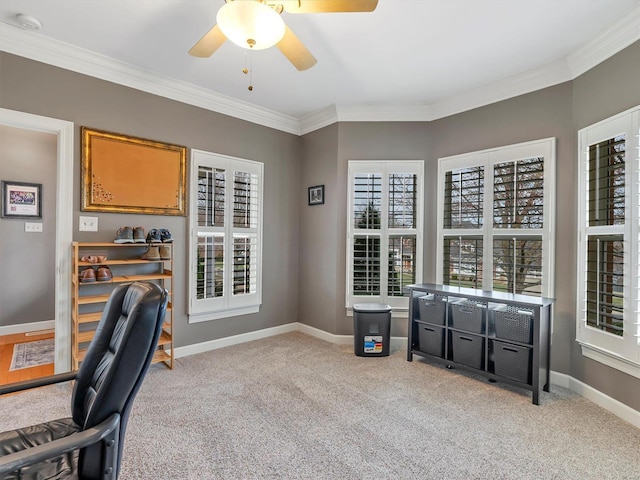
(512,323)
(467,349)
(469,316)
(432,308)
(371,329)
(512,361)
(430,339)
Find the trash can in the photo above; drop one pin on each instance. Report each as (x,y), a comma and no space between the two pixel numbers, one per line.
(371,329)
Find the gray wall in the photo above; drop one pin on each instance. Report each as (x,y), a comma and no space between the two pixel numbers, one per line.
(27,260)
(319,241)
(541,114)
(323,228)
(376,141)
(610,88)
(40,89)
(305,247)
(557,111)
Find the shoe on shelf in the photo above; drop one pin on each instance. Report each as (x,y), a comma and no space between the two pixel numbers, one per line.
(139,235)
(152,253)
(165,236)
(153,236)
(104,274)
(88,275)
(165,252)
(124,235)
(94,258)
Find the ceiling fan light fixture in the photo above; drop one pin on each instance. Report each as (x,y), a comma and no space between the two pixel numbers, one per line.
(250,24)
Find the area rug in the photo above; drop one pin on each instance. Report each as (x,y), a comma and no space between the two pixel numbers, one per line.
(32,354)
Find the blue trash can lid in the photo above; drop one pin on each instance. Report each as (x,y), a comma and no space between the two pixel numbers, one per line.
(371,307)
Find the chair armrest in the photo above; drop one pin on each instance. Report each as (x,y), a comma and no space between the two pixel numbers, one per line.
(107,430)
(37,382)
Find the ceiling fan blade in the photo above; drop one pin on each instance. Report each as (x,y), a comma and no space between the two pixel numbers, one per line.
(327,6)
(295,51)
(207,45)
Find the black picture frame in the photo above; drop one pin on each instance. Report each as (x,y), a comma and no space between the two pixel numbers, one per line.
(21,200)
(316,195)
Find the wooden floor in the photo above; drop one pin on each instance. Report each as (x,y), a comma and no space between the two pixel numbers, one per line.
(6,353)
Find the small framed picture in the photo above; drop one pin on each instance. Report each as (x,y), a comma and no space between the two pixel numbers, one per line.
(316,195)
(21,200)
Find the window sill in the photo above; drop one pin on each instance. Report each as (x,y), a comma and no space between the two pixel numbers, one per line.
(610,359)
(205,317)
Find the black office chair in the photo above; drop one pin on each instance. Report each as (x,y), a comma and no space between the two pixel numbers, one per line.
(88,445)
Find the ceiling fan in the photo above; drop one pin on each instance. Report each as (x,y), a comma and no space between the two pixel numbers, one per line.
(257,24)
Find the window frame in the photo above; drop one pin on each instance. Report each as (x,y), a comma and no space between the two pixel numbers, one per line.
(227,305)
(385,168)
(619,352)
(487,159)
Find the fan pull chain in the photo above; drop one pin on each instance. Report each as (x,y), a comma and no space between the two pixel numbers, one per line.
(249,70)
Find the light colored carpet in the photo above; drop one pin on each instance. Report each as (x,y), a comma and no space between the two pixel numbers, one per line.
(295,407)
(32,354)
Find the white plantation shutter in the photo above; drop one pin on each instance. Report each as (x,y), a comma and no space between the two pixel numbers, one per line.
(608,300)
(495,227)
(210,232)
(607,178)
(605,283)
(517,265)
(384,230)
(245,233)
(462,261)
(605,235)
(226,226)
(367,221)
(518,194)
(518,205)
(463,210)
(464,198)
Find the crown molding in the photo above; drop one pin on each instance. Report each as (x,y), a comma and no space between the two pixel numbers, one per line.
(26,44)
(364,113)
(510,87)
(318,119)
(619,36)
(59,54)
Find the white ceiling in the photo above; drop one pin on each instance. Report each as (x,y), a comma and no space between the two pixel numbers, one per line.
(409,59)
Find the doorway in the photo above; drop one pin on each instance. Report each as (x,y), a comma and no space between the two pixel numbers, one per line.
(64,132)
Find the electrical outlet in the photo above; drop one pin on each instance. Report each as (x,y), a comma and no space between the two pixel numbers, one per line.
(32,227)
(88,224)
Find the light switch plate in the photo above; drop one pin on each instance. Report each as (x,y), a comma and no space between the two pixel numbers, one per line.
(32,227)
(88,224)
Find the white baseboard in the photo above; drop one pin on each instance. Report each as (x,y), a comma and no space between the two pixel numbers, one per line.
(326,336)
(611,404)
(27,327)
(233,340)
(619,409)
(396,342)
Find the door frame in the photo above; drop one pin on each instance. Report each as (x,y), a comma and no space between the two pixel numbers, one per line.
(64,132)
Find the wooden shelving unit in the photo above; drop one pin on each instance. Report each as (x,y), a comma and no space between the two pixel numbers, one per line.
(88,299)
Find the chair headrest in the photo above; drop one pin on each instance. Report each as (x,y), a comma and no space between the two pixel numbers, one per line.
(120,352)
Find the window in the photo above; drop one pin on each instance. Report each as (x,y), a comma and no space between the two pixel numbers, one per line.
(226,236)
(608,317)
(496,223)
(384,248)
